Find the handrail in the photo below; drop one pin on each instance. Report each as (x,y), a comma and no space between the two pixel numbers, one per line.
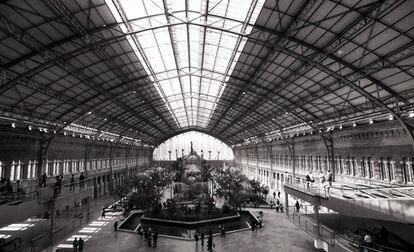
(331,237)
(379,246)
(13,241)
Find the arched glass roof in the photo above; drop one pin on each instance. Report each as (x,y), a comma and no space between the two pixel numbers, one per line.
(188,63)
(204,145)
(145,70)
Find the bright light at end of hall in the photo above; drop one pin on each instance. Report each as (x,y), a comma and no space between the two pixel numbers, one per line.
(411,114)
(354,125)
(371,121)
(391,118)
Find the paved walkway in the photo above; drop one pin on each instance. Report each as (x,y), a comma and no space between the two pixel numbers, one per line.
(277,235)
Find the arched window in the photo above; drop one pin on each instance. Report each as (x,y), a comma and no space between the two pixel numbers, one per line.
(206,146)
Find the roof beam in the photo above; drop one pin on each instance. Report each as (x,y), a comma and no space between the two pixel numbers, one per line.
(303,11)
(91,41)
(50,55)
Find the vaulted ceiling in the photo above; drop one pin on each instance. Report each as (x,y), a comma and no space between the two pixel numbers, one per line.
(150,69)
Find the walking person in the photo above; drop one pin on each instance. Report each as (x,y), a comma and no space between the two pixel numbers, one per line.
(330,178)
(75,245)
(81,241)
(297,207)
(274,195)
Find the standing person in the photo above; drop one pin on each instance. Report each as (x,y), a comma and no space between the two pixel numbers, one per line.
(330,178)
(72,183)
(140,231)
(322,178)
(145,234)
(43,179)
(278,195)
(154,239)
(81,244)
(297,207)
(81,179)
(368,240)
(149,240)
(210,243)
(196,237)
(116,226)
(223,231)
(103,212)
(308,180)
(202,238)
(274,194)
(75,245)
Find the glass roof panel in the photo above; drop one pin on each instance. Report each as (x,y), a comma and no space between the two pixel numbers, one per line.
(188,62)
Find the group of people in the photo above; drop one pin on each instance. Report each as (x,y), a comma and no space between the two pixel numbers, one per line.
(149,236)
(199,235)
(277,205)
(59,181)
(78,244)
(328,177)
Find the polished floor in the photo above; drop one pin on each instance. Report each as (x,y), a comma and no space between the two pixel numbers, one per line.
(277,235)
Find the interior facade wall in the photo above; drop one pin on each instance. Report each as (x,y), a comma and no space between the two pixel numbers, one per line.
(369,154)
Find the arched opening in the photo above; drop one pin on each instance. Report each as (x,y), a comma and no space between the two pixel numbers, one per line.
(206,146)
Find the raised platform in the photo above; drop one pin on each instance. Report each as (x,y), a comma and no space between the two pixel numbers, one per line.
(389,209)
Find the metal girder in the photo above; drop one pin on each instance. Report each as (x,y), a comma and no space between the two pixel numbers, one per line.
(44,144)
(343,81)
(68,100)
(47,54)
(90,41)
(87,154)
(330,49)
(291,147)
(171,32)
(403,51)
(329,144)
(141,52)
(198,129)
(306,7)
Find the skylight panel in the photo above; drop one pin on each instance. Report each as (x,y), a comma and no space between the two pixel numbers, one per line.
(176,53)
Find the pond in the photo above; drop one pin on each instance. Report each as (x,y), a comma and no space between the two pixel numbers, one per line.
(187,231)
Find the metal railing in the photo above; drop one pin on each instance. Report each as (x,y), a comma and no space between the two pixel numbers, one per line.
(331,237)
(46,239)
(311,188)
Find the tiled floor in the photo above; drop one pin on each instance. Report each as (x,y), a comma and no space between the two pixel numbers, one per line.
(277,235)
